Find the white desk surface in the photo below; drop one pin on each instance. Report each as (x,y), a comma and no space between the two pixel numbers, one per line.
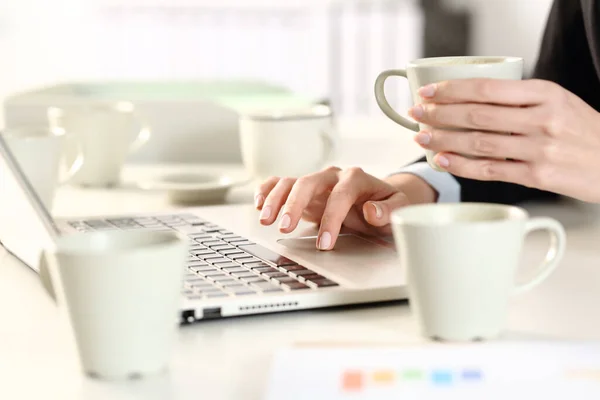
(229,359)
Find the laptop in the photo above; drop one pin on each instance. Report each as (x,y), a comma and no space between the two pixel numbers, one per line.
(235,267)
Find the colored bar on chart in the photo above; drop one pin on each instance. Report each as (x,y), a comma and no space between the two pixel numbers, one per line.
(384,377)
(352,381)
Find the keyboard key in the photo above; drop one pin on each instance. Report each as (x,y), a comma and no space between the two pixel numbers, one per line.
(245,274)
(221,278)
(252,279)
(201,268)
(324,283)
(243,291)
(266,287)
(292,267)
(253,265)
(216,294)
(195,279)
(232,286)
(267,255)
(228,266)
(202,252)
(234,251)
(295,286)
(284,279)
(227,236)
(243,243)
(210,243)
(219,260)
(199,236)
(207,257)
(312,277)
(236,270)
(301,272)
(211,230)
(233,239)
(240,256)
(196,263)
(251,260)
(187,292)
(276,274)
(225,233)
(265,269)
(221,247)
(201,286)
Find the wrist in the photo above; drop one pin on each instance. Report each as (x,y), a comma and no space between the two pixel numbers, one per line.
(414,187)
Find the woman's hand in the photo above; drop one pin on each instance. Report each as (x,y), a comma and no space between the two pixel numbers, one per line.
(335,197)
(555,141)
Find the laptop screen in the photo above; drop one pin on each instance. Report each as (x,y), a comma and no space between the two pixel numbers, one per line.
(26,227)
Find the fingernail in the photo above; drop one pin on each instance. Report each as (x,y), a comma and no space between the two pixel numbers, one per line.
(324,241)
(258,200)
(416,112)
(427,91)
(443,161)
(265,213)
(423,137)
(286,221)
(378,210)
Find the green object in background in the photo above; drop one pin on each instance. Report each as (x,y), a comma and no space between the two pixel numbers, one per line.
(239,95)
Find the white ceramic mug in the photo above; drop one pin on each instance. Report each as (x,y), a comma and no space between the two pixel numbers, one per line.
(432,70)
(40,154)
(121,291)
(288,142)
(461,261)
(108,133)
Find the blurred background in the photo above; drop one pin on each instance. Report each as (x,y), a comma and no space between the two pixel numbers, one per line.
(311,50)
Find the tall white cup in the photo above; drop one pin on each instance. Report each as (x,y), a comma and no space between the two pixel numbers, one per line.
(107,133)
(287,142)
(122,293)
(40,152)
(461,260)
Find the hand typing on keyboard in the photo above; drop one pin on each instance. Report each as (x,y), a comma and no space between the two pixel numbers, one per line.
(335,197)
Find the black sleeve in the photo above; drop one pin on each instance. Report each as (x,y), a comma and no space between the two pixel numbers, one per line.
(564,47)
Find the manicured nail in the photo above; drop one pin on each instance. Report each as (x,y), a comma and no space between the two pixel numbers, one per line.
(427,91)
(265,213)
(324,241)
(286,221)
(443,161)
(423,137)
(416,112)
(378,210)
(258,200)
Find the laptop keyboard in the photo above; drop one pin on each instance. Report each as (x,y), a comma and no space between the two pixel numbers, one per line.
(220,263)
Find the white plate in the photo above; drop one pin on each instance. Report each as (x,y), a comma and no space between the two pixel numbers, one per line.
(205,187)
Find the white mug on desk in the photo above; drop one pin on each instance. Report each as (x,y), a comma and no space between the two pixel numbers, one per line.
(107,134)
(287,142)
(40,153)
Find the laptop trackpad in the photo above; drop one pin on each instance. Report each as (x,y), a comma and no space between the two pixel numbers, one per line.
(358,261)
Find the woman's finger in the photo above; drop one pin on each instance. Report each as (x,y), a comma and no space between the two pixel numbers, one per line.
(263,191)
(479,144)
(302,194)
(276,198)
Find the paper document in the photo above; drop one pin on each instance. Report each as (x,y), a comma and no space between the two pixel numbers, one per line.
(449,372)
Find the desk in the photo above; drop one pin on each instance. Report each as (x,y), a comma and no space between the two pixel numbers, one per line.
(229,359)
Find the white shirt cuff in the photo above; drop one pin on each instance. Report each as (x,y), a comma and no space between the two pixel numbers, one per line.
(443,183)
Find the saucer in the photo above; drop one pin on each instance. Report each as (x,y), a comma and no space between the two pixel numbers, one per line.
(193,187)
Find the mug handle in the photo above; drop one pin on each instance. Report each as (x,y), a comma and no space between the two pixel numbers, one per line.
(385,105)
(69,171)
(329,144)
(558,242)
(144,133)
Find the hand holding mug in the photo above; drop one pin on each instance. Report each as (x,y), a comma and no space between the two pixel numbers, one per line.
(554,144)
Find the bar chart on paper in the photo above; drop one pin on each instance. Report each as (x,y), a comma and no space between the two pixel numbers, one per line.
(481,371)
